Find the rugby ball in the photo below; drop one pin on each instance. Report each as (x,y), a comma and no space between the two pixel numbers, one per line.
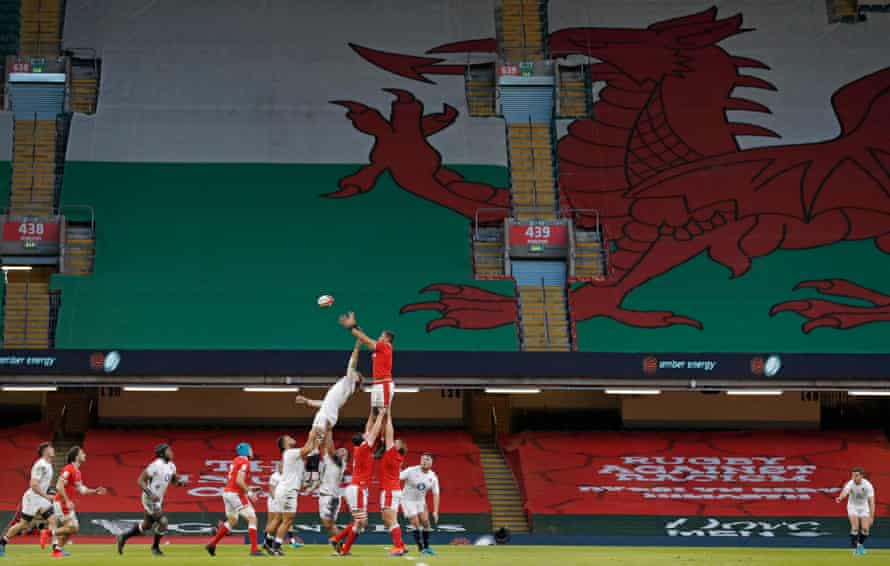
(325,301)
(112,360)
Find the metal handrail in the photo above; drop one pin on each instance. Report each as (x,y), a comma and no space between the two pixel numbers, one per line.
(476,218)
(546,317)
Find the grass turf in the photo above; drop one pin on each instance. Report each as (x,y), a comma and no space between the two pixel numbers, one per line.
(136,555)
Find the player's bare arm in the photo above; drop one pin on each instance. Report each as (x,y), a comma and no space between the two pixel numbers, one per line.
(178,480)
(311,444)
(844,493)
(60,489)
(390,434)
(144,484)
(306,402)
(348,322)
(353,359)
(371,436)
(84,490)
(436,506)
(871,508)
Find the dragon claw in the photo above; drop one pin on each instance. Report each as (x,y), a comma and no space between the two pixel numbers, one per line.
(465,307)
(821,313)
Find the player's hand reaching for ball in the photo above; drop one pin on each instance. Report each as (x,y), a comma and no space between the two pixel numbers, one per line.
(101,490)
(300,400)
(347,320)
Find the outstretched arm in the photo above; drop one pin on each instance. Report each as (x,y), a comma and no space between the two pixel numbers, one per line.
(348,322)
(311,444)
(844,493)
(300,400)
(353,359)
(371,436)
(390,432)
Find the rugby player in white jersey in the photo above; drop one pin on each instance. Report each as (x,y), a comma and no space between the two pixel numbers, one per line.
(860,496)
(273,515)
(154,481)
(37,505)
(329,408)
(419,481)
(333,467)
(293,464)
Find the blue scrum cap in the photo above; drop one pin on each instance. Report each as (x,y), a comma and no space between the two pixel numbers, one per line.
(243,449)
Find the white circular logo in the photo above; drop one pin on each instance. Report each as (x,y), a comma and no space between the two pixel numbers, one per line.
(112,360)
(773,366)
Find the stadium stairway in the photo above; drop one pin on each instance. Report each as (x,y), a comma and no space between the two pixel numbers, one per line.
(480,90)
(543,318)
(521,29)
(41,27)
(84,87)
(589,255)
(533,191)
(574,99)
(34,168)
(507,509)
(78,250)
(28,309)
(488,252)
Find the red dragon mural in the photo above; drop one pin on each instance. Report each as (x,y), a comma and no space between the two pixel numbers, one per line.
(661,162)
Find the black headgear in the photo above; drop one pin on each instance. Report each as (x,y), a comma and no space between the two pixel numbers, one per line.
(161,450)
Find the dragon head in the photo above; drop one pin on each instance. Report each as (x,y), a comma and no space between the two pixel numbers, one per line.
(665,48)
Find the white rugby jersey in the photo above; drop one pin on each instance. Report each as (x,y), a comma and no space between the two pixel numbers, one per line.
(331,476)
(860,493)
(292,466)
(418,483)
(274,480)
(160,473)
(42,473)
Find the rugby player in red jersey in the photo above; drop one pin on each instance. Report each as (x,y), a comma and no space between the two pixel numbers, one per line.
(68,487)
(391,487)
(357,492)
(238,498)
(383,389)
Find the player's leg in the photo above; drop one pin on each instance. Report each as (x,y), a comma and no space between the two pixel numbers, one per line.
(357,499)
(136,530)
(427,531)
(249,515)
(233,506)
(414,521)
(69,528)
(389,505)
(160,530)
(854,529)
(864,530)
(272,522)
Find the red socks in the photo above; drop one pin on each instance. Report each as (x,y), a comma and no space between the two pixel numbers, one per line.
(220,533)
(349,540)
(344,533)
(251,532)
(396,533)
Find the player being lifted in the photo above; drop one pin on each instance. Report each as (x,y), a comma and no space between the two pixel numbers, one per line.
(293,464)
(391,487)
(238,498)
(383,389)
(860,508)
(419,481)
(153,482)
(68,486)
(329,408)
(37,505)
(333,467)
(357,491)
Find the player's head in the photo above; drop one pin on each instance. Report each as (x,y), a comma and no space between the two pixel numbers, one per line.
(76,455)
(286,442)
(387,336)
(164,452)
(357,439)
(46,450)
(426,461)
(401,446)
(244,449)
(858,474)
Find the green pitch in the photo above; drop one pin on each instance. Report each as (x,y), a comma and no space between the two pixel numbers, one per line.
(138,555)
